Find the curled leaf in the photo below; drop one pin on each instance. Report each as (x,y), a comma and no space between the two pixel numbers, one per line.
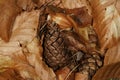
(106,22)
(108,72)
(74,42)
(76,4)
(8,12)
(81,16)
(61,19)
(112,55)
(62,73)
(80,76)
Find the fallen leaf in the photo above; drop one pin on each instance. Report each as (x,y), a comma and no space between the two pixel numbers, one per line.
(63,74)
(84,32)
(6,62)
(25,24)
(26,5)
(82,19)
(76,4)
(43,3)
(112,55)
(10,74)
(68,18)
(108,72)
(81,16)
(106,22)
(25,50)
(80,76)
(61,19)
(74,42)
(8,12)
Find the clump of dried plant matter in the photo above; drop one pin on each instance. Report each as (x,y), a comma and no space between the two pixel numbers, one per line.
(59,39)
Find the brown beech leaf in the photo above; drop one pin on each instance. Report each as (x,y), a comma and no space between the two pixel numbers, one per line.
(112,55)
(81,16)
(8,12)
(24,51)
(80,76)
(10,74)
(63,74)
(73,41)
(108,72)
(26,4)
(46,2)
(61,19)
(25,25)
(6,62)
(68,18)
(71,4)
(106,22)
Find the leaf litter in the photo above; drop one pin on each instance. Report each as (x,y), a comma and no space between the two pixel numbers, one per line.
(47,32)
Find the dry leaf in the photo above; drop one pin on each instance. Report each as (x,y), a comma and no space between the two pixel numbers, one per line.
(81,16)
(84,32)
(112,55)
(76,4)
(25,50)
(10,74)
(68,18)
(61,19)
(8,13)
(106,22)
(109,72)
(25,24)
(26,4)
(80,76)
(6,62)
(46,2)
(63,74)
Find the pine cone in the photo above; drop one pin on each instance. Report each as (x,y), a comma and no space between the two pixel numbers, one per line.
(90,64)
(55,52)
(61,44)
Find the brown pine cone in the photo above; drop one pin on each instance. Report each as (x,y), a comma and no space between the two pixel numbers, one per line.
(90,64)
(55,52)
(60,44)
